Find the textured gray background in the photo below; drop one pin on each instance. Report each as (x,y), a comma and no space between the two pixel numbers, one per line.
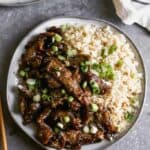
(15,23)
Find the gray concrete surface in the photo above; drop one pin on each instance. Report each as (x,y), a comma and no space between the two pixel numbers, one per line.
(15,23)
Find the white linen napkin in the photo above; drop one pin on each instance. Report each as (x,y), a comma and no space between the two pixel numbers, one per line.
(133,12)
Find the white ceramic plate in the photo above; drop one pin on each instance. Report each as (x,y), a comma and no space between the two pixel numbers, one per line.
(17,2)
(12,78)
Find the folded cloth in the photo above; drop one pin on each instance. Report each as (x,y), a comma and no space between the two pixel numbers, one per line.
(133,12)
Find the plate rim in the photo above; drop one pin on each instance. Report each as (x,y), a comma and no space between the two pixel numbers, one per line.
(86,19)
(18,4)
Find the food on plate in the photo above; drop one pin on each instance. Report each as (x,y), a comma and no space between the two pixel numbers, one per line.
(79,84)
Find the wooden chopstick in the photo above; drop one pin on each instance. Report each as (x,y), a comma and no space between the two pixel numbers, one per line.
(2,128)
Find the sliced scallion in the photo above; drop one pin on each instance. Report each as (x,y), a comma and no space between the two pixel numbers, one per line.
(66,119)
(94,107)
(37,98)
(93,129)
(70,98)
(57,37)
(129,116)
(63,91)
(84,85)
(95,87)
(54,48)
(60,57)
(112,49)
(60,125)
(31,81)
(22,73)
(86,129)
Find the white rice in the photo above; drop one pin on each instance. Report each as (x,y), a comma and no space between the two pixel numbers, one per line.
(90,39)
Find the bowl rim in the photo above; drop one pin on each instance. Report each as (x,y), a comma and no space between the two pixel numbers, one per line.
(116,28)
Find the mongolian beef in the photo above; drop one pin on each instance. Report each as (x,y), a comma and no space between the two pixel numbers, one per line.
(68,86)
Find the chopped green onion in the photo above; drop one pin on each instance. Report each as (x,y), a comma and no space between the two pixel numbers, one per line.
(44,91)
(105,70)
(63,91)
(71,52)
(66,119)
(132,75)
(84,66)
(129,116)
(103,52)
(132,101)
(119,63)
(54,48)
(60,125)
(70,98)
(84,85)
(112,49)
(36,98)
(64,27)
(67,63)
(31,87)
(94,107)
(86,129)
(93,129)
(31,81)
(57,37)
(60,57)
(53,40)
(56,69)
(22,73)
(95,87)
(46,97)
(56,130)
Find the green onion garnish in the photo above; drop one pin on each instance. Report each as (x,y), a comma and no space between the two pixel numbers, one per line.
(63,91)
(105,70)
(84,66)
(71,52)
(112,49)
(104,52)
(57,37)
(54,48)
(60,57)
(22,73)
(70,98)
(66,119)
(37,98)
(84,85)
(129,116)
(86,129)
(60,125)
(95,87)
(31,81)
(119,63)
(46,97)
(94,107)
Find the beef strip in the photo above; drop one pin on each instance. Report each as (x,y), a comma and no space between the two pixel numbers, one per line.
(106,122)
(75,61)
(105,86)
(72,138)
(75,105)
(64,76)
(44,132)
(76,75)
(55,30)
(86,138)
(31,112)
(22,104)
(52,82)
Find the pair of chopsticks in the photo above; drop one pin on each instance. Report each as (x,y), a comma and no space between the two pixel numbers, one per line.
(2,128)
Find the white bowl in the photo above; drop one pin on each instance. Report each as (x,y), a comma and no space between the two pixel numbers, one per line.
(13,80)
